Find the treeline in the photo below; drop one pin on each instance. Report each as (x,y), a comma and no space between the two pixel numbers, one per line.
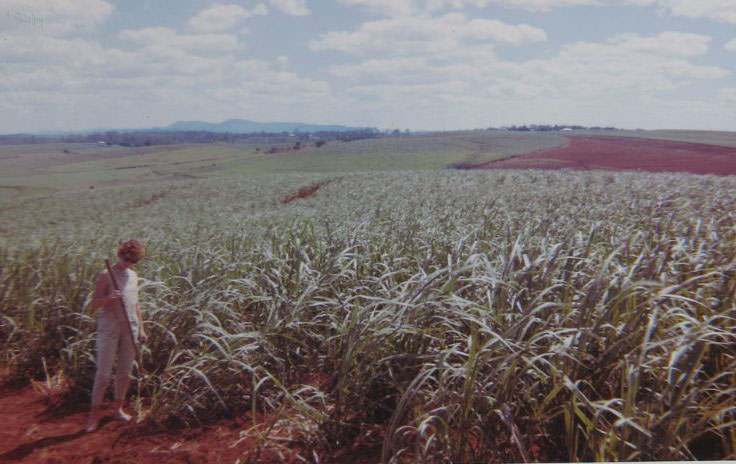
(146,138)
(556,127)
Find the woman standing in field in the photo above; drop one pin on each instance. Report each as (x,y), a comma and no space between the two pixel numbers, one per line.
(113,331)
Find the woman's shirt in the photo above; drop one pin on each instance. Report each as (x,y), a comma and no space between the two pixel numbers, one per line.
(128,282)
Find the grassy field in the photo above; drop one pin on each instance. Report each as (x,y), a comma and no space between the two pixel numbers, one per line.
(465,316)
(32,171)
(726,139)
(37,170)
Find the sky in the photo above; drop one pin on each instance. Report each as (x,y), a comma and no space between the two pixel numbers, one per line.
(389,64)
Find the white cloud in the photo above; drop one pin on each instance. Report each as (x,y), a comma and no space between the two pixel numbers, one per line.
(37,50)
(718,10)
(410,7)
(71,83)
(388,7)
(447,34)
(585,82)
(666,43)
(283,62)
(53,16)
(729,94)
(218,18)
(448,91)
(401,67)
(427,64)
(292,7)
(270,86)
(533,5)
(636,68)
(163,37)
(446,68)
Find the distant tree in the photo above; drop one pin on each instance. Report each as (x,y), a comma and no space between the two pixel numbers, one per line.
(154,137)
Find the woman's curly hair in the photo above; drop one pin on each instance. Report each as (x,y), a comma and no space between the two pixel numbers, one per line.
(132,251)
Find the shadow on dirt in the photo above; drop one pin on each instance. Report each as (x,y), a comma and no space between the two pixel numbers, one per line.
(26,449)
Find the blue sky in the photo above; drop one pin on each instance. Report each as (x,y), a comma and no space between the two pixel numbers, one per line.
(416,64)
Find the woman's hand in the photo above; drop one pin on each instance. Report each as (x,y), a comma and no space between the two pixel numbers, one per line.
(114,297)
(142,337)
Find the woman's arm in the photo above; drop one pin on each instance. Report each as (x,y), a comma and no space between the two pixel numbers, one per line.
(141,331)
(102,296)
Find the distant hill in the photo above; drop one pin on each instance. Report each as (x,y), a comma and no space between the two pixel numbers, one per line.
(230,131)
(243,126)
(232,126)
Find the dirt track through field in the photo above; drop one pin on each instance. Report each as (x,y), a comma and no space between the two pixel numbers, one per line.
(304,192)
(626,154)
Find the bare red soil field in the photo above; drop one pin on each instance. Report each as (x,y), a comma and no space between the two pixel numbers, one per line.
(31,433)
(626,154)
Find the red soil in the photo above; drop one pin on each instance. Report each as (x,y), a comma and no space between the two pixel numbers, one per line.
(625,153)
(32,434)
(304,192)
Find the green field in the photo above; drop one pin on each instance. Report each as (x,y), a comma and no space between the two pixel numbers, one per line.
(726,139)
(32,171)
(37,170)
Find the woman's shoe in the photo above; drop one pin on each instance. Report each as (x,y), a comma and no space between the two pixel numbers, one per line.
(92,425)
(122,416)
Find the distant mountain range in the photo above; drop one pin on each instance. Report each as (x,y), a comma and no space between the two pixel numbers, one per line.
(233,126)
(243,126)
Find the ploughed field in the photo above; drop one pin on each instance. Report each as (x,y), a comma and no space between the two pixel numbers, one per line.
(626,153)
(448,316)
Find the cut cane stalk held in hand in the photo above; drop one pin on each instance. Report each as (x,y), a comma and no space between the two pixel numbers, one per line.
(125,311)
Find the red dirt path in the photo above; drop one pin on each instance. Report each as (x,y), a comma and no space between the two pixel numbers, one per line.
(304,192)
(626,153)
(29,434)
